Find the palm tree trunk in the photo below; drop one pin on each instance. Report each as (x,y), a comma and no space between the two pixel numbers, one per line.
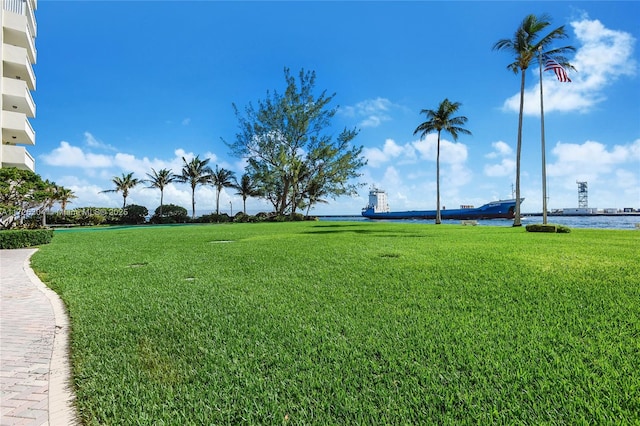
(193,202)
(438,218)
(244,205)
(516,220)
(161,197)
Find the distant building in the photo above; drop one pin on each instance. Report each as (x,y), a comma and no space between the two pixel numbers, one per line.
(579,211)
(18,53)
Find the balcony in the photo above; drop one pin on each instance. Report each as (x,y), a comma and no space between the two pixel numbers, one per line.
(17,32)
(17,156)
(17,97)
(16,65)
(25,8)
(16,129)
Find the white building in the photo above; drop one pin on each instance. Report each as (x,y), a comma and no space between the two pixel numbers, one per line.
(18,52)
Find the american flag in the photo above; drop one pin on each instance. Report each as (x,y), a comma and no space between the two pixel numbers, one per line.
(561,73)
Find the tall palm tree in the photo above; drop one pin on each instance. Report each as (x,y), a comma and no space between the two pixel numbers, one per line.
(160,179)
(64,196)
(123,184)
(221,178)
(246,188)
(526,45)
(194,172)
(50,195)
(437,121)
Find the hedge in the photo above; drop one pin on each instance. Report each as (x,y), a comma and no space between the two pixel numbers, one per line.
(559,229)
(20,238)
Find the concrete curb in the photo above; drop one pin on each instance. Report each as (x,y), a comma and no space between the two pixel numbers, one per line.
(61,409)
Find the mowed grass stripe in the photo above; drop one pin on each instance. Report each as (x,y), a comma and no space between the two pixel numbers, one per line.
(351,323)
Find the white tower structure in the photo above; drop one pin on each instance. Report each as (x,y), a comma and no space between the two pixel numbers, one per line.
(18,52)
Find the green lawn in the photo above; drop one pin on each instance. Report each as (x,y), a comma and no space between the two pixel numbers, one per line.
(350,323)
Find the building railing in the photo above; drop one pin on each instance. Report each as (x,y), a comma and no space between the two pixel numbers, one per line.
(15,6)
(22,7)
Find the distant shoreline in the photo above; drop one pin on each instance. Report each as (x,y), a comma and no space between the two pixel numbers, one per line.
(523,215)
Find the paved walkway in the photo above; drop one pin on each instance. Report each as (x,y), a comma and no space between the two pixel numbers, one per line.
(34,367)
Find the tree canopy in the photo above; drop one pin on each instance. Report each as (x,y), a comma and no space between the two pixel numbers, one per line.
(291,153)
(23,193)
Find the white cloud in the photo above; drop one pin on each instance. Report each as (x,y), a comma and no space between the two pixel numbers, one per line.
(92,142)
(67,155)
(602,56)
(450,152)
(506,166)
(371,112)
(390,151)
(590,159)
(501,149)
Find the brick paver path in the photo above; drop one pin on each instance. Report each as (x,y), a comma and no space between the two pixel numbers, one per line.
(33,347)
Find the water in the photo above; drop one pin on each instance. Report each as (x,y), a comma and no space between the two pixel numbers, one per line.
(599,222)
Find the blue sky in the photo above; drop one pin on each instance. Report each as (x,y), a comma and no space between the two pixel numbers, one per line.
(124,86)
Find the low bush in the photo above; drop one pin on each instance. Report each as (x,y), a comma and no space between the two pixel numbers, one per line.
(240,217)
(170,214)
(213,218)
(538,227)
(134,215)
(20,238)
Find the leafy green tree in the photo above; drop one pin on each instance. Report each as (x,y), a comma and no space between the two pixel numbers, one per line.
(194,172)
(246,188)
(526,46)
(160,180)
(221,178)
(123,184)
(438,120)
(20,191)
(286,135)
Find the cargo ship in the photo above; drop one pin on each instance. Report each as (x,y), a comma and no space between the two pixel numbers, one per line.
(378,208)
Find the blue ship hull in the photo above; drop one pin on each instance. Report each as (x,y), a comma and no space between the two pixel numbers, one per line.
(502,209)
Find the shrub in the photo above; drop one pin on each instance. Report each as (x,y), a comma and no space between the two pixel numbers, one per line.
(170,214)
(537,227)
(20,238)
(214,218)
(57,219)
(241,218)
(94,215)
(134,215)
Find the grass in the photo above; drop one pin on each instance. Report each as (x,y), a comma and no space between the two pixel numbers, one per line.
(350,323)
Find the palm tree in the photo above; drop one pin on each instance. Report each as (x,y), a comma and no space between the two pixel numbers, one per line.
(64,196)
(246,188)
(51,194)
(526,45)
(123,183)
(439,120)
(160,179)
(221,178)
(194,172)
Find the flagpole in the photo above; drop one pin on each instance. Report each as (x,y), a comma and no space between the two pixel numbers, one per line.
(544,168)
